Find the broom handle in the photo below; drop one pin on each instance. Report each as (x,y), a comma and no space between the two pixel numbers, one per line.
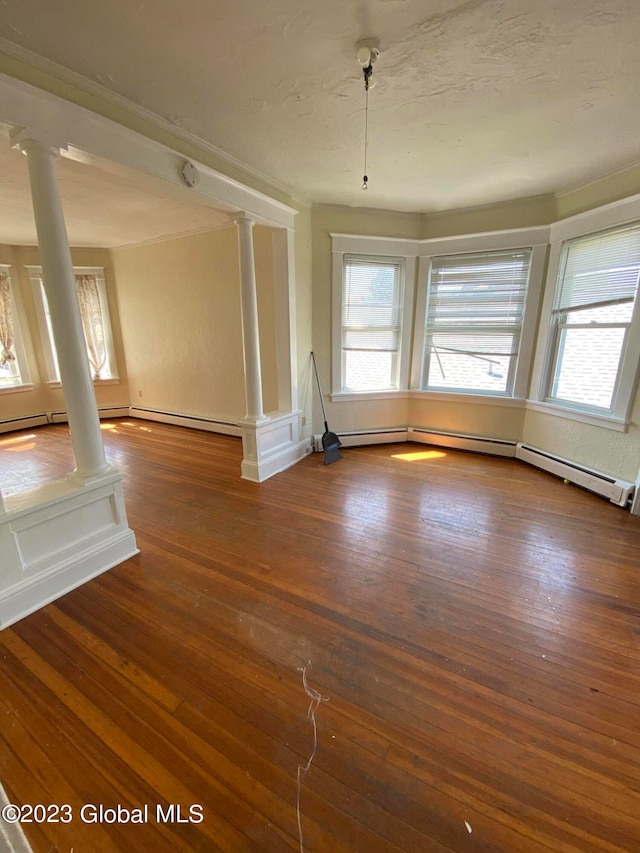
(315,367)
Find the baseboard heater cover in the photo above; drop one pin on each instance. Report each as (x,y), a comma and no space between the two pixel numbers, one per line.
(104,413)
(460,441)
(360,438)
(191,421)
(617,491)
(25,422)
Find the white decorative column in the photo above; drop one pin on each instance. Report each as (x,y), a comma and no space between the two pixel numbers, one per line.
(250,332)
(286,346)
(58,536)
(59,283)
(269,444)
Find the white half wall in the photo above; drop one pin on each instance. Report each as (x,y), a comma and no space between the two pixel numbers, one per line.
(56,537)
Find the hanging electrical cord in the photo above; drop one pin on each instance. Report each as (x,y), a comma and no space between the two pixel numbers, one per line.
(367,52)
(368,71)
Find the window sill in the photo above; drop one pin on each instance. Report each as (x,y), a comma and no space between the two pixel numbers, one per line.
(616,424)
(16,389)
(114,380)
(482,399)
(363,396)
(439,396)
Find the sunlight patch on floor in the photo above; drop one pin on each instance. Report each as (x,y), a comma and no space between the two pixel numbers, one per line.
(419,455)
(135,426)
(6,441)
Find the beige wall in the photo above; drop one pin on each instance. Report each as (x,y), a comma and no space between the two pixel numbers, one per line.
(181,323)
(43,397)
(502,422)
(523,213)
(180,313)
(614,453)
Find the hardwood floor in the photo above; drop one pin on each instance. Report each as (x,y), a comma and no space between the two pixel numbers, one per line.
(473,623)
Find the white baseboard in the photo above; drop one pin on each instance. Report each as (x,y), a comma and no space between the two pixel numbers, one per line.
(190,421)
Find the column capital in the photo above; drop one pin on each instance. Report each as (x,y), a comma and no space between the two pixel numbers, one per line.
(27,139)
(244,219)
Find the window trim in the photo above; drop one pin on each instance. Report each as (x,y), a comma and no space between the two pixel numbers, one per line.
(53,378)
(534,238)
(610,217)
(25,383)
(371,247)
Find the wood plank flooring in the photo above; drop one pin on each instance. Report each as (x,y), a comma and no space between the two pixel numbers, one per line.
(473,624)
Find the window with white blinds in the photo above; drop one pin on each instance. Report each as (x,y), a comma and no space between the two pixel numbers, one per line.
(592,314)
(371,322)
(474,316)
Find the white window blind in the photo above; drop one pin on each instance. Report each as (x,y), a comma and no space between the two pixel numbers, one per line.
(475,309)
(593,308)
(371,322)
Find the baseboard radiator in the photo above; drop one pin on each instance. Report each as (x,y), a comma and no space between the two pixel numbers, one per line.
(191,421)
(104,413)
(44,418)
(12,424)
(362,437)
(617,491)
(459,441)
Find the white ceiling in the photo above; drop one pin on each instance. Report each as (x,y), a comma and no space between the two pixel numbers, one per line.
(476,102)
(101,209)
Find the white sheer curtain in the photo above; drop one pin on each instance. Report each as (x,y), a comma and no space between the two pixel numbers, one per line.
(92,321)
(6,322)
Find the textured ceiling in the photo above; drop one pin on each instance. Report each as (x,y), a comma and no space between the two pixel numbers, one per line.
(101,209)
(476,102)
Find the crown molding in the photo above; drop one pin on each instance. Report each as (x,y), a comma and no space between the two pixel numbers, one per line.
(612,173)
(97,90)
(126,246)
(98,140)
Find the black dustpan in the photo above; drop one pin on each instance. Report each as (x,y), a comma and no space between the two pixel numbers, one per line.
(330,441)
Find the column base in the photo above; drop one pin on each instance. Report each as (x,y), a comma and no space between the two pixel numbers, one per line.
(78,479)
(254,420)
(271,446)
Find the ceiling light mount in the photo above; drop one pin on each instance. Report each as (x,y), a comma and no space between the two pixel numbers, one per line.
(367,51)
